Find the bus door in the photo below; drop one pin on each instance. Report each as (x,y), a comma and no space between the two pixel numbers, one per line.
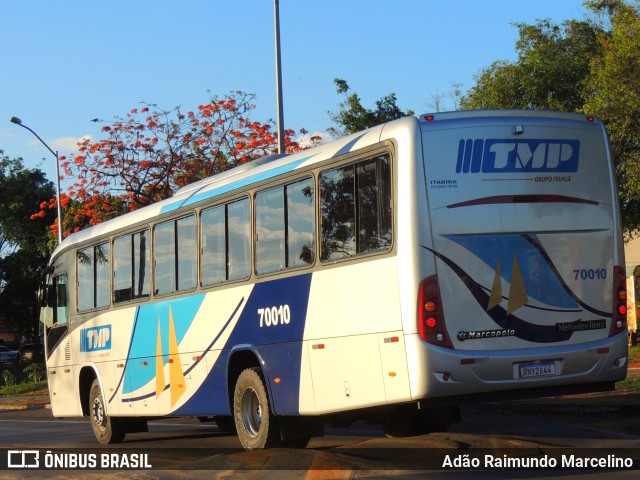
(60,371)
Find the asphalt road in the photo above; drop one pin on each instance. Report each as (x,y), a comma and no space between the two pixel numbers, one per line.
(583,427)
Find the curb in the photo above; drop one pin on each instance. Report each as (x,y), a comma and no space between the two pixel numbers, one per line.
(24,404)
(605,409)
(28,406)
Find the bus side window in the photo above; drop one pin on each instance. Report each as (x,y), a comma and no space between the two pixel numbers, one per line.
(270,231)
(285,227)
(238,240)
(356,209)
(174,255)
(131,267)
(94,277)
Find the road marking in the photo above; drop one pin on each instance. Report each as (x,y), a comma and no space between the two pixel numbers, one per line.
(327,467)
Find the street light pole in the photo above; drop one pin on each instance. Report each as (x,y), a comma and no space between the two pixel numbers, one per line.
(17,121)
(276,12)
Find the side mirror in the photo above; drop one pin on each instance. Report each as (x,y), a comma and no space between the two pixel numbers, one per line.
(45,290)
(43,295)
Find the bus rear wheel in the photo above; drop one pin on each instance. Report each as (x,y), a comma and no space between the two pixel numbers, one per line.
(256,426)
(106,429)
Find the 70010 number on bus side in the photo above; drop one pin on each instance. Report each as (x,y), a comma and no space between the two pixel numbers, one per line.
(273,316)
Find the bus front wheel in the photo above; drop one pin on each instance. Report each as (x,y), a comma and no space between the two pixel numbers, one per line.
(105,428)
(256,426)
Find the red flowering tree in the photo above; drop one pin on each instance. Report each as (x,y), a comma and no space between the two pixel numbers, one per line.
(150,153)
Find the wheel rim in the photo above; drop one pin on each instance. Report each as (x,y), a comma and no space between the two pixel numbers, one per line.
(97,413)
(251,410)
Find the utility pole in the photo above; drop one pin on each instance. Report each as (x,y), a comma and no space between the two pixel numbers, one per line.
(281,145)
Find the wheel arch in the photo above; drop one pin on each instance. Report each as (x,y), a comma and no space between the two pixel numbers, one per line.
(240,358)
(88,373)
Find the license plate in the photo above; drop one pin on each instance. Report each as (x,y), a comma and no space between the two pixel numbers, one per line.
(541,369)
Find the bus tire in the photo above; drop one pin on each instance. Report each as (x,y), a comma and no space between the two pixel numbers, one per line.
(256,426)
(106,429)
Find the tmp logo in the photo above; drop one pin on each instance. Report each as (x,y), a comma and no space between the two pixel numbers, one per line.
(95,339)
(517,156)
(23,459)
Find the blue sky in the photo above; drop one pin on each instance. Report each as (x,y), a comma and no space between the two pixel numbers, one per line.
(67,62)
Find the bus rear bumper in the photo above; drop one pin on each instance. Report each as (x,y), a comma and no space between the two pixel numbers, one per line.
(564,368)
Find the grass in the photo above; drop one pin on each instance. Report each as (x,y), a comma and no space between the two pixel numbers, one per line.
(629,384)
(35,388)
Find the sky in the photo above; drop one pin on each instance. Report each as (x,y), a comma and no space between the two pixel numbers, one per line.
(67,62)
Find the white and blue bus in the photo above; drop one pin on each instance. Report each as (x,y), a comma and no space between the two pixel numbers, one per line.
(389,274)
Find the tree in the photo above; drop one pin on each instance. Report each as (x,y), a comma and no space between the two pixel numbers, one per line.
(354,117)
(553,64)
(581,66)
(21,192)
(147,155)
(24,244)
(614,96)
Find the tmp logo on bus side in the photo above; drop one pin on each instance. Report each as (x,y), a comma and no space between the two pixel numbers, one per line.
(95,339)
(517,156)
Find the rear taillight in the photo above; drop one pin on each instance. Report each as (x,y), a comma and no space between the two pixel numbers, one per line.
(430,315)
(619,320)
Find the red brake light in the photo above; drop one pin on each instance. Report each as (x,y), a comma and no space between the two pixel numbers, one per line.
(431,323)
(619,319)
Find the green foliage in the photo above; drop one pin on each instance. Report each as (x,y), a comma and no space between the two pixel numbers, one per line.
(22,190)
(553,63)
(22,388)
(8,378)
(17,379)
(581,66)
(354,117)
(614,87)
(24,241)
(497,86)
(35,372)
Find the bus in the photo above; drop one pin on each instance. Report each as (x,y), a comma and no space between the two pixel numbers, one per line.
(388,275)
